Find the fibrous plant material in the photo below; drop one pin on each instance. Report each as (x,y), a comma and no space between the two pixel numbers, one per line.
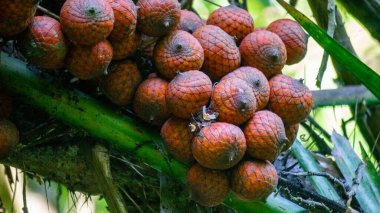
(9,137)
(125,13)
(126,46)
(189,21)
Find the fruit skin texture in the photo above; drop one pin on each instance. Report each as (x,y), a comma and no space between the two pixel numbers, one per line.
(222,56)
(127,46)
(258,82)
(178,51)
(265,135)
(149,103)
(234,101)
(233,20)
(254,180)
(9,136)
(291,133)
(289,99)
(125,13)
(177,138)
(157,17)
(87,62)
(188,92)
(87,22)
(44,44)
(265,51)
(189,21)
(294,38)
(207,187)
(6,105)
(219,146)
(15,16)
(121,82)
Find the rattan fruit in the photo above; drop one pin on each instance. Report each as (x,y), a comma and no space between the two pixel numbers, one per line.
(233,20)
(158,17)
(207,187)
(189,21)
(254,180)
(9,137)
(125,13)
(87,22)
(44,44)
(219,146)
(265,51)
(188,92)
(127,46)
(289,99)
(178,52)
(222,56)
(6,105)
(294,38)
(234,101)
(291,133)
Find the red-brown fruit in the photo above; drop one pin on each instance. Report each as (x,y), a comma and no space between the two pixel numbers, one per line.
(265,135)
(9,137)
(291,133)
(158,17)
(87,62)
(254,180)
(150,103)
(207,187)
(259,29)
(258,82)
(127,46)
(121,82)
(222,56)
(294,38)
(125,13)
(149,44)
(177,138)
(265,51)
(189,21)
(178,52)
(43,44)
(219,146)
(87,22)
(188,92)
(234,101)
(15,16)
(6,105)
(289,99)
(233,20)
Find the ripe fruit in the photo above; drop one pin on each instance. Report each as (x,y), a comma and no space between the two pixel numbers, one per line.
(234,101)
(254,180)
(177,138)
(189,21)
(6,105)
(188,92)
(207,187)
(256,80)
(233,20)
(121,82)
(265,135)
(294,38)
(221,53)
(43,44)
(125,13)
(178,51)
(291,133)
(15,16)
(9,137)
(126,47)
(265,51)
(289,99)
(87,62)
(87,22)
(149,102)
(158,17)
(219,146)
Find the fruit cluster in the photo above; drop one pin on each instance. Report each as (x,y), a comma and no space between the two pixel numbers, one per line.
(216,88)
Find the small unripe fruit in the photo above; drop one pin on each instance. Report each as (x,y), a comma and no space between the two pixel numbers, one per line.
(125,13)
(291,133)
(127,46)
(189,21)
(9,137)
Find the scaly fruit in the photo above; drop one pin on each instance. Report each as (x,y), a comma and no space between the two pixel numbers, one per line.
(44,44)
(158,17)
(254,180)
(265,51)
(219,146)
(233,20)
(222,56)
(189,21)
(121,82)
(188,92)
(178,52)
(291,133)
(265,135)
(87,62)
(15,16)
(234,101)
(149,103)
(207,187)
(6,105)
(289,99)
(294,38)
(9,137)
(258,82)
(126,47)
(87,22)
(177,138)
(125,13)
